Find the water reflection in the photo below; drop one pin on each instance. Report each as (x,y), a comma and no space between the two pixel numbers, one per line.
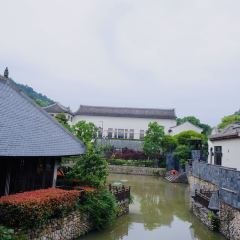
(160,211)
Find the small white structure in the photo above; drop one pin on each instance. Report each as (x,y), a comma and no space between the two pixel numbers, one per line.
(186,126)
(224,147)
(56,108)
(124,123)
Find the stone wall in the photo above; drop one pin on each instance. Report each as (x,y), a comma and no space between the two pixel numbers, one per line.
(123,208)
(202,213)
(134,170)
(229,217)
(69,227)
(229,221)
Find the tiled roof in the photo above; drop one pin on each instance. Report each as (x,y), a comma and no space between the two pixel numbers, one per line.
(231,131)
(57,108)
(126,112)
(27,130)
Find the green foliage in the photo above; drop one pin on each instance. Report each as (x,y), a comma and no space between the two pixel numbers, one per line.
(100,206)
(8,234)
(169,143)
(229,120)
(214,220)
(85,131)
(61,118)
(195,121)
(138,163)
(39,98)
(90,168)
(182,152)
(153,140)
(184,138)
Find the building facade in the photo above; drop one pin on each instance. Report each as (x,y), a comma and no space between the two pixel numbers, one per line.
(124,123)
(224,147)
(187,126)
(32,143)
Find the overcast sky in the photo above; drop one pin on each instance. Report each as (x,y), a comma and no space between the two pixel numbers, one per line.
(182,54)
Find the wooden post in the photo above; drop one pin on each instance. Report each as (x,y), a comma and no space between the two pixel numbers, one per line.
(56,165)
(8,180)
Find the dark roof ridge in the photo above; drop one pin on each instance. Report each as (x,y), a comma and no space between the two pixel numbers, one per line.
(11,83)
(170,109)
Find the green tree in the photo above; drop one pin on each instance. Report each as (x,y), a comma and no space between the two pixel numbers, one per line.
(90,168)
(229,120)
(101,207)
(195,121)
(182,154)
(184,138)
(85,131)
(153,140)
(61,118)
(169,143)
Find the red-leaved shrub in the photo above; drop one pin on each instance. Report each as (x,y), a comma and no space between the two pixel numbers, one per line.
(29,209)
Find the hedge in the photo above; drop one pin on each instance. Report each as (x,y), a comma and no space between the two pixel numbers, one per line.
(30,209)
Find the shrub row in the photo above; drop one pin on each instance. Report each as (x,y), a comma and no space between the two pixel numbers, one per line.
(30,209)
(129,154)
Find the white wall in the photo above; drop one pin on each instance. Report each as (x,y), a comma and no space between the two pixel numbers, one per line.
(124,123)
(187,126)
(230,152)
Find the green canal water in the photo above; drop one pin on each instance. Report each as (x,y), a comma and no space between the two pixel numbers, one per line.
(160,211)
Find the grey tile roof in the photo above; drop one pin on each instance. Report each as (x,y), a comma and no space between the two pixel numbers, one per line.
(27,130)
(57,108)
(126,112)
(231,131)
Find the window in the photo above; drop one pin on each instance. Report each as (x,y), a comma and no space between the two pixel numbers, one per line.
(141,136)
(110,132)
(115,133)
(131,134)
(121,133)
(126,134)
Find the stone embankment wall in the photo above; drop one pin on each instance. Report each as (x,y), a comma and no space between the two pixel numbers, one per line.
(134,170)
(229,217)
(69,227)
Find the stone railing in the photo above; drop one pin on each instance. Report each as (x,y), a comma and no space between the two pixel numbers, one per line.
(227,180)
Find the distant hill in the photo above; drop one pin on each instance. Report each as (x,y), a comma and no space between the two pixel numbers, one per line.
(39,98)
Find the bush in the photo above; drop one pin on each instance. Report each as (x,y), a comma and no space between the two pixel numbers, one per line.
(8,234)
(100,206)
(128,154)
(30,209)
(91,169)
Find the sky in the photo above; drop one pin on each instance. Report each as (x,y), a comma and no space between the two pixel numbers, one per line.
(128,53)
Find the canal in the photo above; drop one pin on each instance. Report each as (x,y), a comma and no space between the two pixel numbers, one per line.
(160,211)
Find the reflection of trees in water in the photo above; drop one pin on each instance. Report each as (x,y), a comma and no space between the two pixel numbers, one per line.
(159,201)
(156,204)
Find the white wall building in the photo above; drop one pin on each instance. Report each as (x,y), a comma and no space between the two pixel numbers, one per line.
(224,147)
(186,126)
(125,123)
(56,108)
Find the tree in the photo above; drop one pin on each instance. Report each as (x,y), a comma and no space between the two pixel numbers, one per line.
(182,154)
(229,120)
(61,118)
(85,131)
(169,144)
(90,168)
(184,138)
(153,140)
(195,121)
